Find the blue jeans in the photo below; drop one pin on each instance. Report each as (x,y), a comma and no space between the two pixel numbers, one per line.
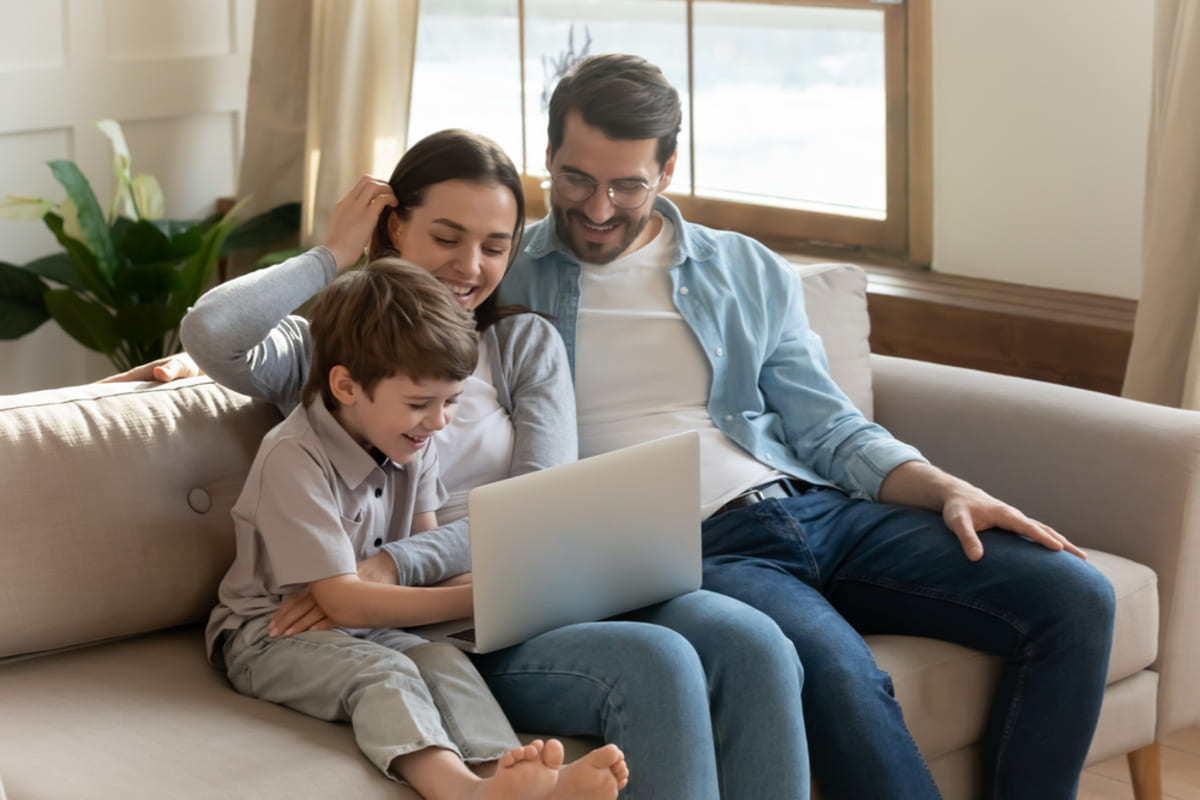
(702,693)
(830,569)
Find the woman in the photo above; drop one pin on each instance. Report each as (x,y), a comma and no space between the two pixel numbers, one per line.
(705,701)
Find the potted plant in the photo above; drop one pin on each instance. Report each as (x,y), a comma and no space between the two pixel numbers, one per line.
(124,280)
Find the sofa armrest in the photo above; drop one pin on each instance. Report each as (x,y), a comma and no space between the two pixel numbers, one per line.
(1109,473)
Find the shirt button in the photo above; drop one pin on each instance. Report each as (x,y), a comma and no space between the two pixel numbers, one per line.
(379,492)
(379,541)
(683,290)
(729,417)
(720,352)
(767,457)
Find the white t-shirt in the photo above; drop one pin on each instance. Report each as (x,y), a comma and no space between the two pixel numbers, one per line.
(476,447)
(640,373)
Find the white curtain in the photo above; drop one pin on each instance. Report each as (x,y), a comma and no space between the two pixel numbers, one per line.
(1164,363)
(328,100)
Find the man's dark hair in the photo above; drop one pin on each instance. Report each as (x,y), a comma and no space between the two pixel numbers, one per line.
(624,96)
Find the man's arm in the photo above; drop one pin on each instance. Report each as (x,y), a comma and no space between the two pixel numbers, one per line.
(966,508)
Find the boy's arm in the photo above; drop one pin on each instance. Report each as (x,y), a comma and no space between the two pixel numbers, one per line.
(353,603)
(423,521)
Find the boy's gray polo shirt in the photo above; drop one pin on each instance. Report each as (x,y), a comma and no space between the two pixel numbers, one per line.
(314,504)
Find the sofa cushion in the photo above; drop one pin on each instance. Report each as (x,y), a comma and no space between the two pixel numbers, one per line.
(150,475)
(147,718)
(946,689)
(835,297)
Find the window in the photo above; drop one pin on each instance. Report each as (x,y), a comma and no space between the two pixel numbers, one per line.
(805,123)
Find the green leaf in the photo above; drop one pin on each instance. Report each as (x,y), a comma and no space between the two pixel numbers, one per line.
(186,242)
(199,267)
(22,308)
(83,259)
(88,323)
(145,324)
(24,209)
(59,268)
(174,227)
(91,218)
(141,242)
(148,283)
(265,229)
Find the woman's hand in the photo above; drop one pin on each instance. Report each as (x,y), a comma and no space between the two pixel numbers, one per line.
(164,370)
(354,219)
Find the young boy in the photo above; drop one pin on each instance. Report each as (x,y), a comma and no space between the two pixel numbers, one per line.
(349,470)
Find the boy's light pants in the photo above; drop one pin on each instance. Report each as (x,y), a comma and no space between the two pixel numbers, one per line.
(429,695)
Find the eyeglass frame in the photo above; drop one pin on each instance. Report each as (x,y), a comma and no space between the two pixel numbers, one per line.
(571,174)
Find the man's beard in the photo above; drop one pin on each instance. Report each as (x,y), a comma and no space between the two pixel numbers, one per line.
(591,252)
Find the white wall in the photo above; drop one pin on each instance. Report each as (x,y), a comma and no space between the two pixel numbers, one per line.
(172,73)
(1040,117)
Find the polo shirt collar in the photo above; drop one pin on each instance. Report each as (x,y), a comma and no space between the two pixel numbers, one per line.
(352,462)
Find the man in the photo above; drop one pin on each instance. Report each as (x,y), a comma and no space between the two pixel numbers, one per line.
(815,515)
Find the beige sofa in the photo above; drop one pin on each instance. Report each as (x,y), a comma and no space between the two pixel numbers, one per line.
(115,531)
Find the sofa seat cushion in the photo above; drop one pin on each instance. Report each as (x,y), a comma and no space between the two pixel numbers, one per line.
(148,718)
(945,690)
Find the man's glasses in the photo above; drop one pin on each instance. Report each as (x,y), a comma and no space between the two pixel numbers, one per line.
(626,193)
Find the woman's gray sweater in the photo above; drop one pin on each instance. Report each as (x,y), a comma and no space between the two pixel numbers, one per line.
(242,333)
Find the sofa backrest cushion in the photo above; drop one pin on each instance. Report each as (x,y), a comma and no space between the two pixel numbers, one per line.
(835,297)
(115,501)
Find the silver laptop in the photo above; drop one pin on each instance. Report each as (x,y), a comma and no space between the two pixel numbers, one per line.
(581,542)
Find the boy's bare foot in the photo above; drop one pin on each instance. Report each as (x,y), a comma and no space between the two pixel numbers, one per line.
(599,774)
(536,772)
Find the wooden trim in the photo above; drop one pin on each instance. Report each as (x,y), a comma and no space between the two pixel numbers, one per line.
(795,228)
(919,41)
(895,54)
(905,236)
(535,198)
(1072,338)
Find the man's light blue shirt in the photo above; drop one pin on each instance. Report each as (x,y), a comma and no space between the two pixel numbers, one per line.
(771,391)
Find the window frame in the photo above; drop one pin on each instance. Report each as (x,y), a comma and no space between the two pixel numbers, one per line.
(904,236)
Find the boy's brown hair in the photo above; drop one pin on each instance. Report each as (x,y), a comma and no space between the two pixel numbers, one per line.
(390,318)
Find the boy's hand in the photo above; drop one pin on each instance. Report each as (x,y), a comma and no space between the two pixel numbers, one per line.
(298,613)
(354,217)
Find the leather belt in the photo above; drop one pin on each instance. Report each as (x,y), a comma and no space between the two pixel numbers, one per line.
(778,488)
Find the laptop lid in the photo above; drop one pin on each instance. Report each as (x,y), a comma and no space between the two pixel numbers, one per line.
(585,541)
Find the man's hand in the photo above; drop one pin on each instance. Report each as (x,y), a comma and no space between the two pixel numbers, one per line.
(298,613)
(966,509)
(164,370)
